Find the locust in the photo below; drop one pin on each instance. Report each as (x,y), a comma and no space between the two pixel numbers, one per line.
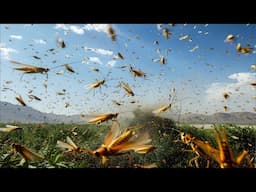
(166,107)
(34,97)
(162,109)
(70,146)
(26,153)
(67,104)
(226,95)
(95,69)
(111,33)
(194,48)
(253,67)
(10,128)
(8,82)
(29,69)
(197,147)
(102,118)
(230,38)
(244,50)
(20,100)
(166,33)
(155,42)
(61,42)
(162,60)
(117,103)
(120,56)
(185,37)
(127,88)
(95,85)
(119,142)
(69,68)
(253,84)
(223,155)
(36,57)
(137,73)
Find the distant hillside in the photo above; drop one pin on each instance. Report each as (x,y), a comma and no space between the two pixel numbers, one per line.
(16,113)
(235,118)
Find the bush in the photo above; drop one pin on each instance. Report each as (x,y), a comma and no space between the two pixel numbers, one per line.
(169,154)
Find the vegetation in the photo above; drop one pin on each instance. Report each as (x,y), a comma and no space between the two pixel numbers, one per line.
(169,152)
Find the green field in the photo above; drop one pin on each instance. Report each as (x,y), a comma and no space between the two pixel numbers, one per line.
(168,153)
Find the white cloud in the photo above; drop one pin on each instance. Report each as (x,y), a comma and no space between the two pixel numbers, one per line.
(67,56)
(27,25)
(99,51)
(241,92)
(111,63)
(19,37)
(98,61)
(159,26)
(103,52)
(80,30)
(97,27)
(61,26)
(95,60)
(243,78)
(76,29)
(5,51)
(40,41)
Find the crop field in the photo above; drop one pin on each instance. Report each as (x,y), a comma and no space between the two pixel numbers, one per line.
(169,152)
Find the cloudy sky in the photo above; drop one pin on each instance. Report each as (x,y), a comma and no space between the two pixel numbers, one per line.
(201,65)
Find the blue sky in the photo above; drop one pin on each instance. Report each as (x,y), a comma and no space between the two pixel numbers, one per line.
(200,68)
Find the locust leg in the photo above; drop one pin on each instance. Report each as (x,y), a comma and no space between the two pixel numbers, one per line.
(194,159)
(22,76)
(208,164)
(240,157)
(46,85)
(188,150)
(100,90)
(130,158)
(244,155)
(104,161)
